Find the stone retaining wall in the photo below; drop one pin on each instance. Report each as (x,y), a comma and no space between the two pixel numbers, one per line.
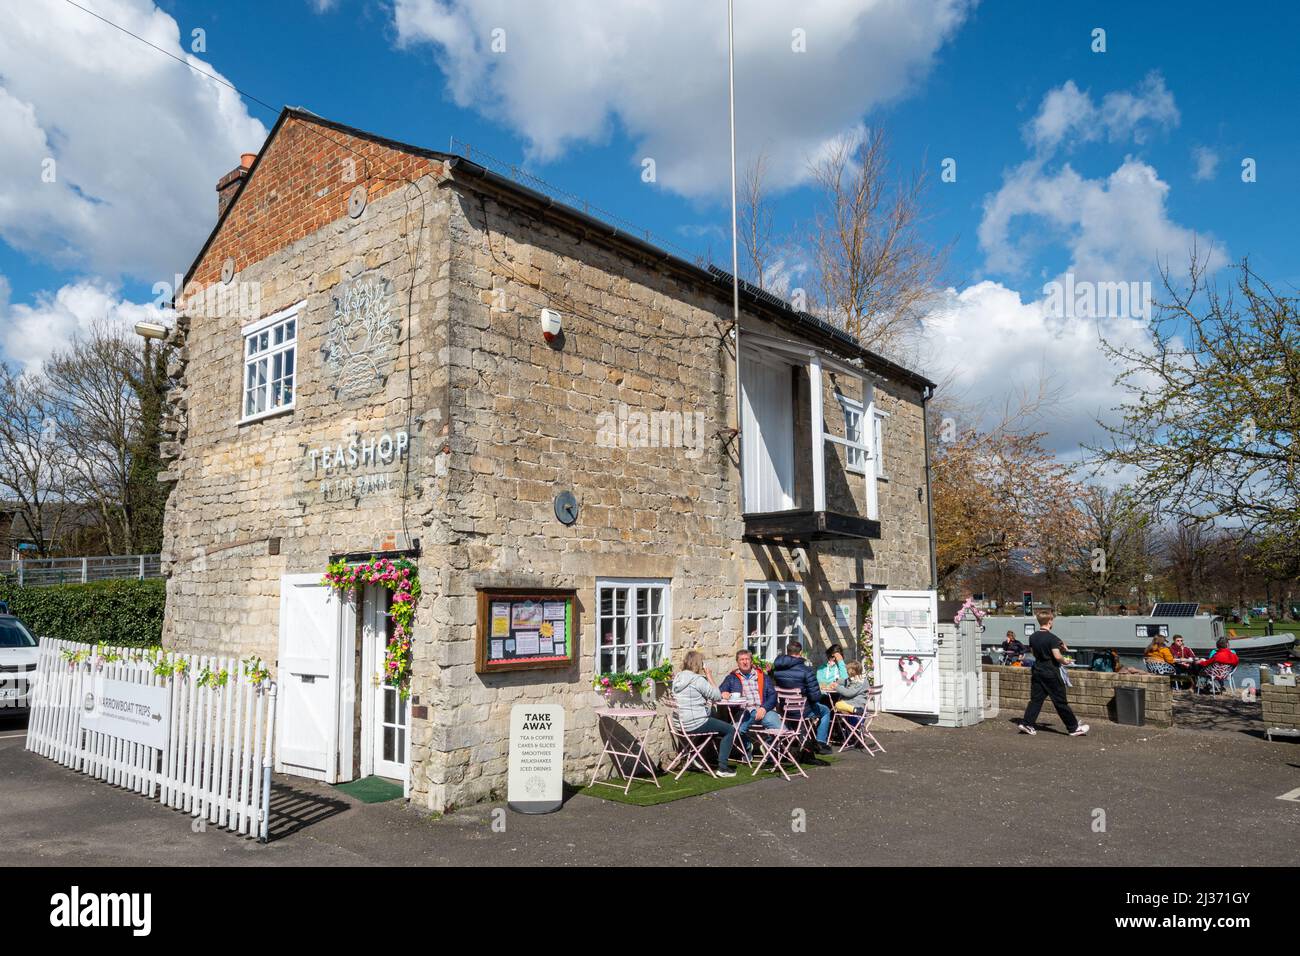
(1091,697)
(1281,705)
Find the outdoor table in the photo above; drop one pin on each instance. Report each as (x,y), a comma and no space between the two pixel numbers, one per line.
(735,708)
(635,749)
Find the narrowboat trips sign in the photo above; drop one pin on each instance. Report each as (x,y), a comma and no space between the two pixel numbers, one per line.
(134,712)
(522,630)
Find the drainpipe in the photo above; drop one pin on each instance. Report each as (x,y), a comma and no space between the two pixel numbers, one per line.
(926,395)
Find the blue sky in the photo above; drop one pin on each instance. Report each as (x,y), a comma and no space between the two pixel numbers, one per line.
(1154,132)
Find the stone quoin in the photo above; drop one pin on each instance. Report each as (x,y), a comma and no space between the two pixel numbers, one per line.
(395,396)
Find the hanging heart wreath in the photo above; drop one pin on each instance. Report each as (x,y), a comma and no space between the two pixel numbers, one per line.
(914,661)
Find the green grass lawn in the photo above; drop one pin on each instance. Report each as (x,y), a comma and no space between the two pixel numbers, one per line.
(643,793)
(1257,630)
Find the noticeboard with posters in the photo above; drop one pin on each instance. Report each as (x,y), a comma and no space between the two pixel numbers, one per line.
(525,629)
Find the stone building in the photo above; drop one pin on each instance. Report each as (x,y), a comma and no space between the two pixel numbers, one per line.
(360,370)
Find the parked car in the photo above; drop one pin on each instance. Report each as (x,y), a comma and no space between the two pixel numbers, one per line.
(18,650)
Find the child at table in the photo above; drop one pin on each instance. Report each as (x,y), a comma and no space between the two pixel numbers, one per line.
(853,691)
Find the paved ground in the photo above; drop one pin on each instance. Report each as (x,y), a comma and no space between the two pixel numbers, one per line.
(984,795)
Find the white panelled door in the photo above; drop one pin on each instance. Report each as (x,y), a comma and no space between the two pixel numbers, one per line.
(311,631)
(905,630)
(768,436)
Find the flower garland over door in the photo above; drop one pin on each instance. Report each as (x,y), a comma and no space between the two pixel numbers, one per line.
(402,578)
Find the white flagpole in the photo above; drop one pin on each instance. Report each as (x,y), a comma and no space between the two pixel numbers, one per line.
(735,256)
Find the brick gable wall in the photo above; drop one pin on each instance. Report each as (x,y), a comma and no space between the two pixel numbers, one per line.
(300,185)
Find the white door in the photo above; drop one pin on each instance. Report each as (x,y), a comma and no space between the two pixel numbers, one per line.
(311,626)
(768,436)
(384,722)
(906,633)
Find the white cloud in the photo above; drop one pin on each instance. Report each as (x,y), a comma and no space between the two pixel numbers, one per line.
(1116,229)
(138,140)
(1207,161)
(573,70)
(30,334)
(1069,115)
(989,345)
(993,344)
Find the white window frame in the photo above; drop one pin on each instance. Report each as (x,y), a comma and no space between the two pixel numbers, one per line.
(634,641)
(268,355)
(878,442)
(765,645)
(854,448)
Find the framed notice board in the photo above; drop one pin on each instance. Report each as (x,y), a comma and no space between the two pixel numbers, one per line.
(525,629)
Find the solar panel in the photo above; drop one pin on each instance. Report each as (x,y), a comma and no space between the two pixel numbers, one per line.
(1175,609)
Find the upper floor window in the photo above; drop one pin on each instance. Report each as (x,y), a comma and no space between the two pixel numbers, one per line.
(270,363)
(632,623)
(855,439)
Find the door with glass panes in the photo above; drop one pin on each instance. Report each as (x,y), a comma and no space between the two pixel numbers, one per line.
(384,724)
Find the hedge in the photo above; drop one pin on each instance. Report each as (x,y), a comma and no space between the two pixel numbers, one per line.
(126,613)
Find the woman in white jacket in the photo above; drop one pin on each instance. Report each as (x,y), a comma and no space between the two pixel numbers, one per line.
(695,694)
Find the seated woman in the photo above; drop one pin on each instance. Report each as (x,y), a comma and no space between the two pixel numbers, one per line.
(1158,658)
(833,672)
(695,695)
(1012,649)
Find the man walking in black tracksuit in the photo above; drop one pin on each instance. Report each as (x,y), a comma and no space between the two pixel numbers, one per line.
(1045,678)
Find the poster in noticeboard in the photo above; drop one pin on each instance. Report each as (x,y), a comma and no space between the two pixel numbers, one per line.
(525,629)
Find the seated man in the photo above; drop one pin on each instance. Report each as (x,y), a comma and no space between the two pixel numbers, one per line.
(791,671)
(757,690)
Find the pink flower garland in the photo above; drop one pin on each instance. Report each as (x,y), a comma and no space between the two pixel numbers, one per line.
(402,578)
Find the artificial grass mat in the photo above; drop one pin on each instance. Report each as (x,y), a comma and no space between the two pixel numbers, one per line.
(371,789)
(643,793)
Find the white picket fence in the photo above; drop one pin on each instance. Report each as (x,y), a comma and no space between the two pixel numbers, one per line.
(217,762)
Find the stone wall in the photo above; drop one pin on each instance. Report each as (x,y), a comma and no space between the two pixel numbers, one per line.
(526,418)
(1281,705)
(246,490)
(1091,697)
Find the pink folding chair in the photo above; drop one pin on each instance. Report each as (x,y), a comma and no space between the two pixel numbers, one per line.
(794,703)
(855,729)
(690,746)
(779,744)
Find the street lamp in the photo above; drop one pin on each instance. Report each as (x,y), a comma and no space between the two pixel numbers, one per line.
(151,330)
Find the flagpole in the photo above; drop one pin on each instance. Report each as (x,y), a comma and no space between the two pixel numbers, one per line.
(735,255)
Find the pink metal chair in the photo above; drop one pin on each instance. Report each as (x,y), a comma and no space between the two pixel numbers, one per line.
(690,746)
(855,729)
(1215,678)
(794,715)
(778,745)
